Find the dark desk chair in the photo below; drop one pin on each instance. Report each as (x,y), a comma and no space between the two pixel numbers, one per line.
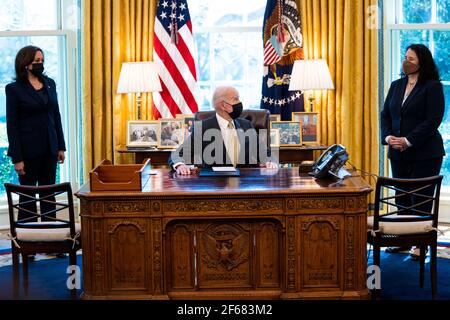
(413,222)
(259,118)
(51,229)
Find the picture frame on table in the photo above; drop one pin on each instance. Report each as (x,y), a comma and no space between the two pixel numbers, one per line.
(290,133)
(170,133)
(274,118)
(310,126)
(274,138)
(142,134)
(188,123)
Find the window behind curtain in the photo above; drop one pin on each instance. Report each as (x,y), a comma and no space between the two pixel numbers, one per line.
(45,24)
(426,22)
(228,37)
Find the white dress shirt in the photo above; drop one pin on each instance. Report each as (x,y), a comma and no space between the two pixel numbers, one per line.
(230,138)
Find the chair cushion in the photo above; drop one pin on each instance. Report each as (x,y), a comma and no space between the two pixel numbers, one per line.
(399,228)
(45,235)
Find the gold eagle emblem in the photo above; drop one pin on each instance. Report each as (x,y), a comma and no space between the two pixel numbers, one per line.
(225,245)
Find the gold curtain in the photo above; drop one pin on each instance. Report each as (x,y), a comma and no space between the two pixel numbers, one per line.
(115,31)
(338,31)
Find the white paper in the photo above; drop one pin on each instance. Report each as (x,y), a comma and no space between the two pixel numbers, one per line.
(224,169)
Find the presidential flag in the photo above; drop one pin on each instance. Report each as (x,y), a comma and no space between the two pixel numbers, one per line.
(283,44)
(173,48)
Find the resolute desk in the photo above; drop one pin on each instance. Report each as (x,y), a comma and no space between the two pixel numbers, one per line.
(264,235)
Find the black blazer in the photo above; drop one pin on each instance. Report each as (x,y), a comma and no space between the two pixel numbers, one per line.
(33,127)
(418,119)
(241,125)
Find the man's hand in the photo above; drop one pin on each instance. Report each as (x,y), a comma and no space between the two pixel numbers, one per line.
(183,170)
(19,167)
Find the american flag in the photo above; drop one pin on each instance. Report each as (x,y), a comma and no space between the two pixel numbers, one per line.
(283,44)
(272,52)
(173,47)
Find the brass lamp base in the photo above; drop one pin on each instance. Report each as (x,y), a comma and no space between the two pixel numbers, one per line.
(311,99)
(138,105)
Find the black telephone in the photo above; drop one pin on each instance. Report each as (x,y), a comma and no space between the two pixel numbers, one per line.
(331,162)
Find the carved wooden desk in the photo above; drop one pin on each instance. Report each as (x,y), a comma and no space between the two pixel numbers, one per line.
(268,234)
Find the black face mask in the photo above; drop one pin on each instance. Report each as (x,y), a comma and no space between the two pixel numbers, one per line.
(237,110)
(38,69)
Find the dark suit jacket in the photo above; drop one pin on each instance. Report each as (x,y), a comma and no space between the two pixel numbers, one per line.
(418,119)
(195,150)
(33,127)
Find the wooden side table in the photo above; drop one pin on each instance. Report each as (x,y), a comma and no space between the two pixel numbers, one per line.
(288,155)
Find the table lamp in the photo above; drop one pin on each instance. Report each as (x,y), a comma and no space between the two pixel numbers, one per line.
(310,75)
(139,77)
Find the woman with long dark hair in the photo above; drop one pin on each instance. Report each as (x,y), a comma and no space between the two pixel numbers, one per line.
(412,113)
(35,135)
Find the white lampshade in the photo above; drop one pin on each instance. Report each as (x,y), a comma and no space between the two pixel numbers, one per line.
(138,77)
(310,75)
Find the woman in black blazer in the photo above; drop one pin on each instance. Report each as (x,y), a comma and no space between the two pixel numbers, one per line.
(412,113)
(35,135)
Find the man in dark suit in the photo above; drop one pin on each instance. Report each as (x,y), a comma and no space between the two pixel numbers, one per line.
(35,134)
(222,140)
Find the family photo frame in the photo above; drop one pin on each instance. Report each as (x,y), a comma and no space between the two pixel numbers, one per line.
(310,126)
(274,138)
(188,123)
(290,133)
(142,134)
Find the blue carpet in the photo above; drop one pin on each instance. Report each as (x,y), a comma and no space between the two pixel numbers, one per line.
(47,280)
(399,279)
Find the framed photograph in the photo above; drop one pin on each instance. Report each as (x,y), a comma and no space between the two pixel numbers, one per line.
(188,123)
(310,126)
(275,118)
(289,131)
(141,133)
(170,133)
(274,138)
